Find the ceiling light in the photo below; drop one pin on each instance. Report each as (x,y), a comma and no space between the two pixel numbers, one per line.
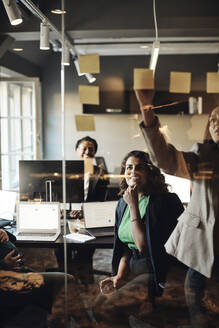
(58,11)
(154,54)
(44,36)
(156,43)
(65,56)
(17,49)
(144,47)
(12,12)
(56,46)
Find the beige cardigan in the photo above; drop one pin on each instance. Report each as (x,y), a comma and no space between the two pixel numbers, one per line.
(192,240)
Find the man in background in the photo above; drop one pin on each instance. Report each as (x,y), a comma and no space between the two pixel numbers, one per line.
(95,190)
(95,185)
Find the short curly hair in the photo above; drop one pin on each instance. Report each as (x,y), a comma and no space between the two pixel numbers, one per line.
(155,179)
(87,138)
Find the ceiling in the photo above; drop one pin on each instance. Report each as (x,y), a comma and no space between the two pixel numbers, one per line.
(115,28)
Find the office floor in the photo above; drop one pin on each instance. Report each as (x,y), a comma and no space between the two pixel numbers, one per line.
(171,311)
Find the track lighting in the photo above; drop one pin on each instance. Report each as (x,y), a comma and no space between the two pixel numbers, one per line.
(12,12)
(56,46)
(77,67)
(65,56)
(89,76)
(44,36)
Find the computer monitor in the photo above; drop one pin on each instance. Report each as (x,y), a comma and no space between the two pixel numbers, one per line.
(42,179)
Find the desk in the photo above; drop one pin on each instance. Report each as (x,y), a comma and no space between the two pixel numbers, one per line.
(99,242)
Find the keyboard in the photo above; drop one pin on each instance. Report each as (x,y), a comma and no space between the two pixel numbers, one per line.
(37,237)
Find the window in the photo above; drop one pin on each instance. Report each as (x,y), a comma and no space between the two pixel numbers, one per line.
(19,127)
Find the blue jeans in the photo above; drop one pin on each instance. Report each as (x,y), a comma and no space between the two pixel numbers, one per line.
(195,284)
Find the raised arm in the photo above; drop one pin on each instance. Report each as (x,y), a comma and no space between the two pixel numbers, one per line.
(162,154)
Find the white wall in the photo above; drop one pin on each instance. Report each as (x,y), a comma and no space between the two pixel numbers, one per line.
(117,134)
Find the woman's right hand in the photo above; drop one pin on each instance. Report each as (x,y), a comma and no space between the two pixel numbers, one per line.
(145,101)
(148,115)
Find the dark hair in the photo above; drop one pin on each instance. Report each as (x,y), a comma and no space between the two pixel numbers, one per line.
(155,179)
(207,135)
(87,138)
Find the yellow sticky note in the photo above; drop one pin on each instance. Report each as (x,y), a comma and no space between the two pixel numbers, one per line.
(89,94)
(89,63)
(85,122)
(88,165)
(212,82)
(143,78)
(180,82)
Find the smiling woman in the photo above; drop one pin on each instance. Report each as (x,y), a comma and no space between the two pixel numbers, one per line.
(139,170)
(145,217)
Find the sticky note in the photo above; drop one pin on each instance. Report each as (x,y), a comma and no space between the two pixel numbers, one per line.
(85,122)
(180,82)
(212,82)
(89,63)
(143,78)
(89,94)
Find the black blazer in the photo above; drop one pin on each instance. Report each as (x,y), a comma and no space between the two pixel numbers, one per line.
(160,219)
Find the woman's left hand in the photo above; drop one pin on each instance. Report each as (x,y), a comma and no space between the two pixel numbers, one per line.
(3,236)
(130,195)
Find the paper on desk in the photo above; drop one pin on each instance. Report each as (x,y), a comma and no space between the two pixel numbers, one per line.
(99,214)
(79,237)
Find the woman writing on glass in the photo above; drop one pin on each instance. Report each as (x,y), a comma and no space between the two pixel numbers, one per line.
(145,217)
(195,239)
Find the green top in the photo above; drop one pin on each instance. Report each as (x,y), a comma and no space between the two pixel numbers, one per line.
(124,232)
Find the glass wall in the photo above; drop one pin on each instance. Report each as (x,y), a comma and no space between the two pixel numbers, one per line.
(71,168)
